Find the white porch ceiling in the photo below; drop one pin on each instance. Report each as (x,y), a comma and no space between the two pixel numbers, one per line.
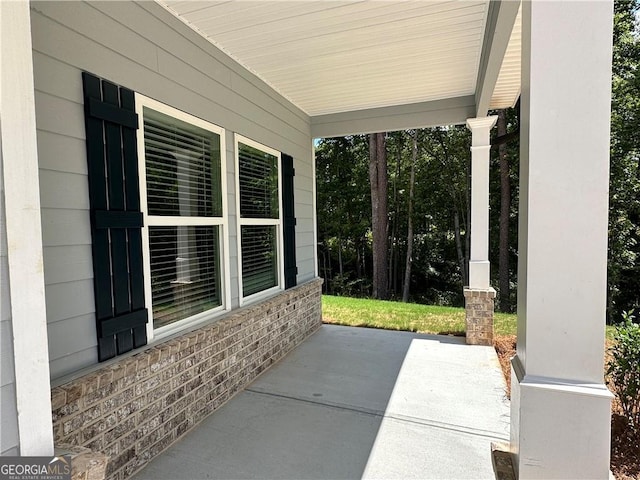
(331,57)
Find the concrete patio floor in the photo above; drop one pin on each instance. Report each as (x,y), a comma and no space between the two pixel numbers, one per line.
(354,403)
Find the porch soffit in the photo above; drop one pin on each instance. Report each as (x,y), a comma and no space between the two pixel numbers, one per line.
(335,58)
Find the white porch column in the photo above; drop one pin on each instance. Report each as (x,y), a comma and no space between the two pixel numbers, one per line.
(480,152)
(560,407)
(24,237)
(479,296)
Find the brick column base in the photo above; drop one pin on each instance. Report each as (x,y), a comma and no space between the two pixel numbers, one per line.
(479,315)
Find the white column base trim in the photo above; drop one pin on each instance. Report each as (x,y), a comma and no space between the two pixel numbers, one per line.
(479,274)
(559,429)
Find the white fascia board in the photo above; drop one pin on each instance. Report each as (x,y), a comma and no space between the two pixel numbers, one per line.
(451,111)
(500,21)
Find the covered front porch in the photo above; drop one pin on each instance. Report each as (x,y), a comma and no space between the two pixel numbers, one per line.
(560,413)
(355,403)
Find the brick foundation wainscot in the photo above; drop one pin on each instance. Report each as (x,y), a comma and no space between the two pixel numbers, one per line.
(479,305)
(133,409)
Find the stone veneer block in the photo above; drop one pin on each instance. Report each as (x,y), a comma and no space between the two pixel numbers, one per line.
(502,461)
(85,464)
(134,408)
(479,304)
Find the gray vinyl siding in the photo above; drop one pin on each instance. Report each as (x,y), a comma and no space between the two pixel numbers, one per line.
(9,439)
(142,47)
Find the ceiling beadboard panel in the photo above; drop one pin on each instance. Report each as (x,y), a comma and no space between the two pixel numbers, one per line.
(507,88)
(337,56)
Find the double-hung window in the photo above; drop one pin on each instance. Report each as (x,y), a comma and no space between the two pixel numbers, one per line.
(182,186)
(259,225)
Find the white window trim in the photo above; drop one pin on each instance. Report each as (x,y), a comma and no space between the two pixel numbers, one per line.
(256,297)
(155,220)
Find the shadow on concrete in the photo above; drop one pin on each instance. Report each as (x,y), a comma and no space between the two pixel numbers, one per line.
(353,403)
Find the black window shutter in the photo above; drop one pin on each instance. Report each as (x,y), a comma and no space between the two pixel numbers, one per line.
(116,220)
(289,222)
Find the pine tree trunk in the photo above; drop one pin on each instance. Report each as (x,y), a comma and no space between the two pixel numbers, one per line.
(328,275)
(393,248)
(466,218)
(461,257)
(358,260)
(505,209)
(379,213)
(408,261)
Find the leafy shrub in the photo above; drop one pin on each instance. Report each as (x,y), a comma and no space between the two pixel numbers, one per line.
(623,369)
(342,285)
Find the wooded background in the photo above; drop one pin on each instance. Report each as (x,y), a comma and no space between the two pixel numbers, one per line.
(393,208)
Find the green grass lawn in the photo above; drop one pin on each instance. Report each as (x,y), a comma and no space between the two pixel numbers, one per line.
(412,317)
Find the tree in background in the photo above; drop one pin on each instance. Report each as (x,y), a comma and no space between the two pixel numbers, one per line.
(344,215)
(624,187)
(439,211)
(406,284)
(437,247)
(378,178)
(449,147)
(505,210)
(503,233)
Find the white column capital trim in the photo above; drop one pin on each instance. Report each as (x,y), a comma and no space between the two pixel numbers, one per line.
(481,122)
(480,128)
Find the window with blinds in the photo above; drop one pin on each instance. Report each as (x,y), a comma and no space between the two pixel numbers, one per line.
(182,168)
(258,181)
(259,258)
(182,179)
(258,174)
(185,272)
